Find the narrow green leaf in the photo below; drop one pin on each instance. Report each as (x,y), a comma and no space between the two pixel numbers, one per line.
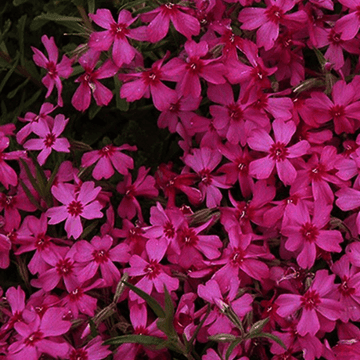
(5,30)
(91,6)
(10,72)
(231,348)
(12,93)
(32,99)
(134,339)
(121,104)
(89,229)
(166,325)
(222,338)
(19,2)
(272,337)
(258,326)
(30,176)
(154,305)
(120,288)
(195,334)
(21,31)
(58,18)
(93,111)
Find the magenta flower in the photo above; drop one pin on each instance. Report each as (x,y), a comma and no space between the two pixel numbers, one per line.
(108,158)
(315,304)
(40,336)
(278,152)
(89,83)
(144,185)
(116,34)
(94,350)
(160,21)
(305,235)
(203,161)
(99,253)
(34,121)
(49,138)
(81,204)
(154,275)
(269,19)
(189,72)
(5,247)
(55,70)
(8,175)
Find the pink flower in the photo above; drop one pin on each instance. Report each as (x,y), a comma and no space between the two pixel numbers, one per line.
(305,235)
(41,336)
(55,70)
(89,83)
(8,175)
(34,121)
(203,161)
(278,152)
(154,275)
(116,34)
(160,20)
(315,304)
(94,350)
(99,253)
(144,185)
(269,20)
(49,138)
(76,205)
(108,157)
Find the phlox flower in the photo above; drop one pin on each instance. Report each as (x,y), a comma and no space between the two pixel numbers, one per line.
(55,70)
(269,19)
(306,234)
(153,274)
(315,305)
(218,321)
(108,158)
(204,161)
(349,24)
(40,336)
(49,138)
(33,121)
(62,270)
(89,82)
(8,175)
(144,185)
(116,34)
(77,205)
(16,299)
(278,152)
(93,350)
(5,247)
(189,72)
(99,254)
(159,19)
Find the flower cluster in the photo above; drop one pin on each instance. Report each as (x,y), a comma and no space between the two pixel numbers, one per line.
(248,240)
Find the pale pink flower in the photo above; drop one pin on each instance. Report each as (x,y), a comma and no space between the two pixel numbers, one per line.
(77,205)
(49,138)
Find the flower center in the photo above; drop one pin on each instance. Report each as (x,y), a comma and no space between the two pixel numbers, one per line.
(76,294)
(100,256)
(194,66)
(7,201)
(344,288)
(42,242)
(153,269)
(237,257)
(317,172)
(188,237)
(278,151)
(49,140)
(119,30)
(34,338)
(337,111)
(78,354)
(274,14)
(75,208)
(107,151)
(206,177)
(51,68)
(64,267)
(235,112)
(169,230)
(309,232)
(310,300)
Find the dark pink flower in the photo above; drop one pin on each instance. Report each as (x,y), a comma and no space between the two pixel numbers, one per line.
(144,185)
(40,336)
(305,235)
(49,138)
(94,350)
(160,20)
(77,205)
(99,254)
(116,35)
(55,70)
(89,83)
(269,20)
(108,158)
(278,152)
(316,303)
